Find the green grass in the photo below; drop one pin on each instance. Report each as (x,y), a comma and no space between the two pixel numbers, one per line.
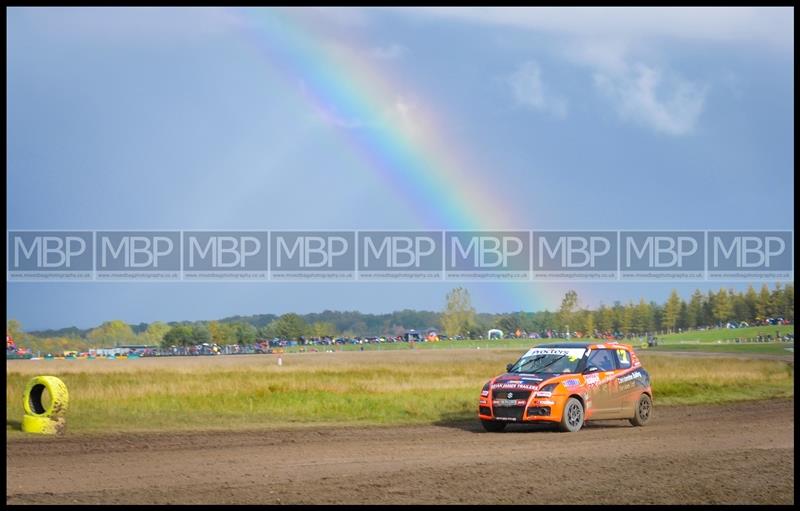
(697,336)
(721,334)
(710,340)
(439,345)
(371,388)
(762,348)
(722,340)
(686,380)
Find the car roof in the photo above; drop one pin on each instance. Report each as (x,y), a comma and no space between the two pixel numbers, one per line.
(583,345)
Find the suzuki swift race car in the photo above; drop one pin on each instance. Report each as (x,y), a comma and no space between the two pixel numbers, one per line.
(568,384)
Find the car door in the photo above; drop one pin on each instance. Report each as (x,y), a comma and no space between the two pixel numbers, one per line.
(627,380)
(600,378)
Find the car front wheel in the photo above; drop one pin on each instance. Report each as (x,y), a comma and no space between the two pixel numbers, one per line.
(493,426)
(572,418)
(644,410)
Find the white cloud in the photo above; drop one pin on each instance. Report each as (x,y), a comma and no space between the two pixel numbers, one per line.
(649,94)
(404,114)
(529,90)
(622,49)
(773,26)
(668,105)
(608,54)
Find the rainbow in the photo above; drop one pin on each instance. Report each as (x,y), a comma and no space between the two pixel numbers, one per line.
(413,157)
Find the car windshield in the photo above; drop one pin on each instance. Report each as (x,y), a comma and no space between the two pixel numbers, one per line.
(553,361)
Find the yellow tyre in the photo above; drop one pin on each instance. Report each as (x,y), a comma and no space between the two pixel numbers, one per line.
(59,397)
(43,425)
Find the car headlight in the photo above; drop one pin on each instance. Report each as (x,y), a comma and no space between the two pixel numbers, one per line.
(485,391)
(547,390)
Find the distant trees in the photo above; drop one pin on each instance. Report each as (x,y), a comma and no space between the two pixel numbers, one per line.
(588,322)
(288,326)
(764,303)
(243,333)
(14,329)
(567,311)
(605,318)
(702,309)
(222,333)
(672,310)
(44,344)
(154,334)
(788,302)
(112,333)
(458,317)
(626,321)
(508,323)
(696,312)
(722,307)
(322,329)
(186,335)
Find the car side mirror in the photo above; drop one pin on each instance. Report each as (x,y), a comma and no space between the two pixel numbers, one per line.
(509,366)
(591,369)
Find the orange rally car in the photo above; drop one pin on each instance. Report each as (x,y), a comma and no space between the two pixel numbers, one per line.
(569,383)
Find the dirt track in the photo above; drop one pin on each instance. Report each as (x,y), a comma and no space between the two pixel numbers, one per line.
(741,453)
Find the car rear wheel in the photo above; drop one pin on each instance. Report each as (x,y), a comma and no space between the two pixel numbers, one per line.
(644,410)
(493,426)
(572,418)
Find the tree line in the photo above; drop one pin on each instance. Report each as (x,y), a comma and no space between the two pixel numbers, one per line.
(638,318)
(458,318)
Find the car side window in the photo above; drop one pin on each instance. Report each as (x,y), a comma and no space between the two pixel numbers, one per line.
(623,359)
(602,359)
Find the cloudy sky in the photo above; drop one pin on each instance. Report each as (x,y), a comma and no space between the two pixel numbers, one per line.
(560,118)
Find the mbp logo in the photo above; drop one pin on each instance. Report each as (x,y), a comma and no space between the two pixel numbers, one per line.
(575,255)
(658,254)
(219,255)
(411,254)
(52,255)
(488,254)
(313,254)
(138,255)
(758,254)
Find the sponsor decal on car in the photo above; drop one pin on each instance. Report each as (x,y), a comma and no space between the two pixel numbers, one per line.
(511,385)
(572,382)
(632,376)
(544,394)
(546,402)
(505,403)
(569,352)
